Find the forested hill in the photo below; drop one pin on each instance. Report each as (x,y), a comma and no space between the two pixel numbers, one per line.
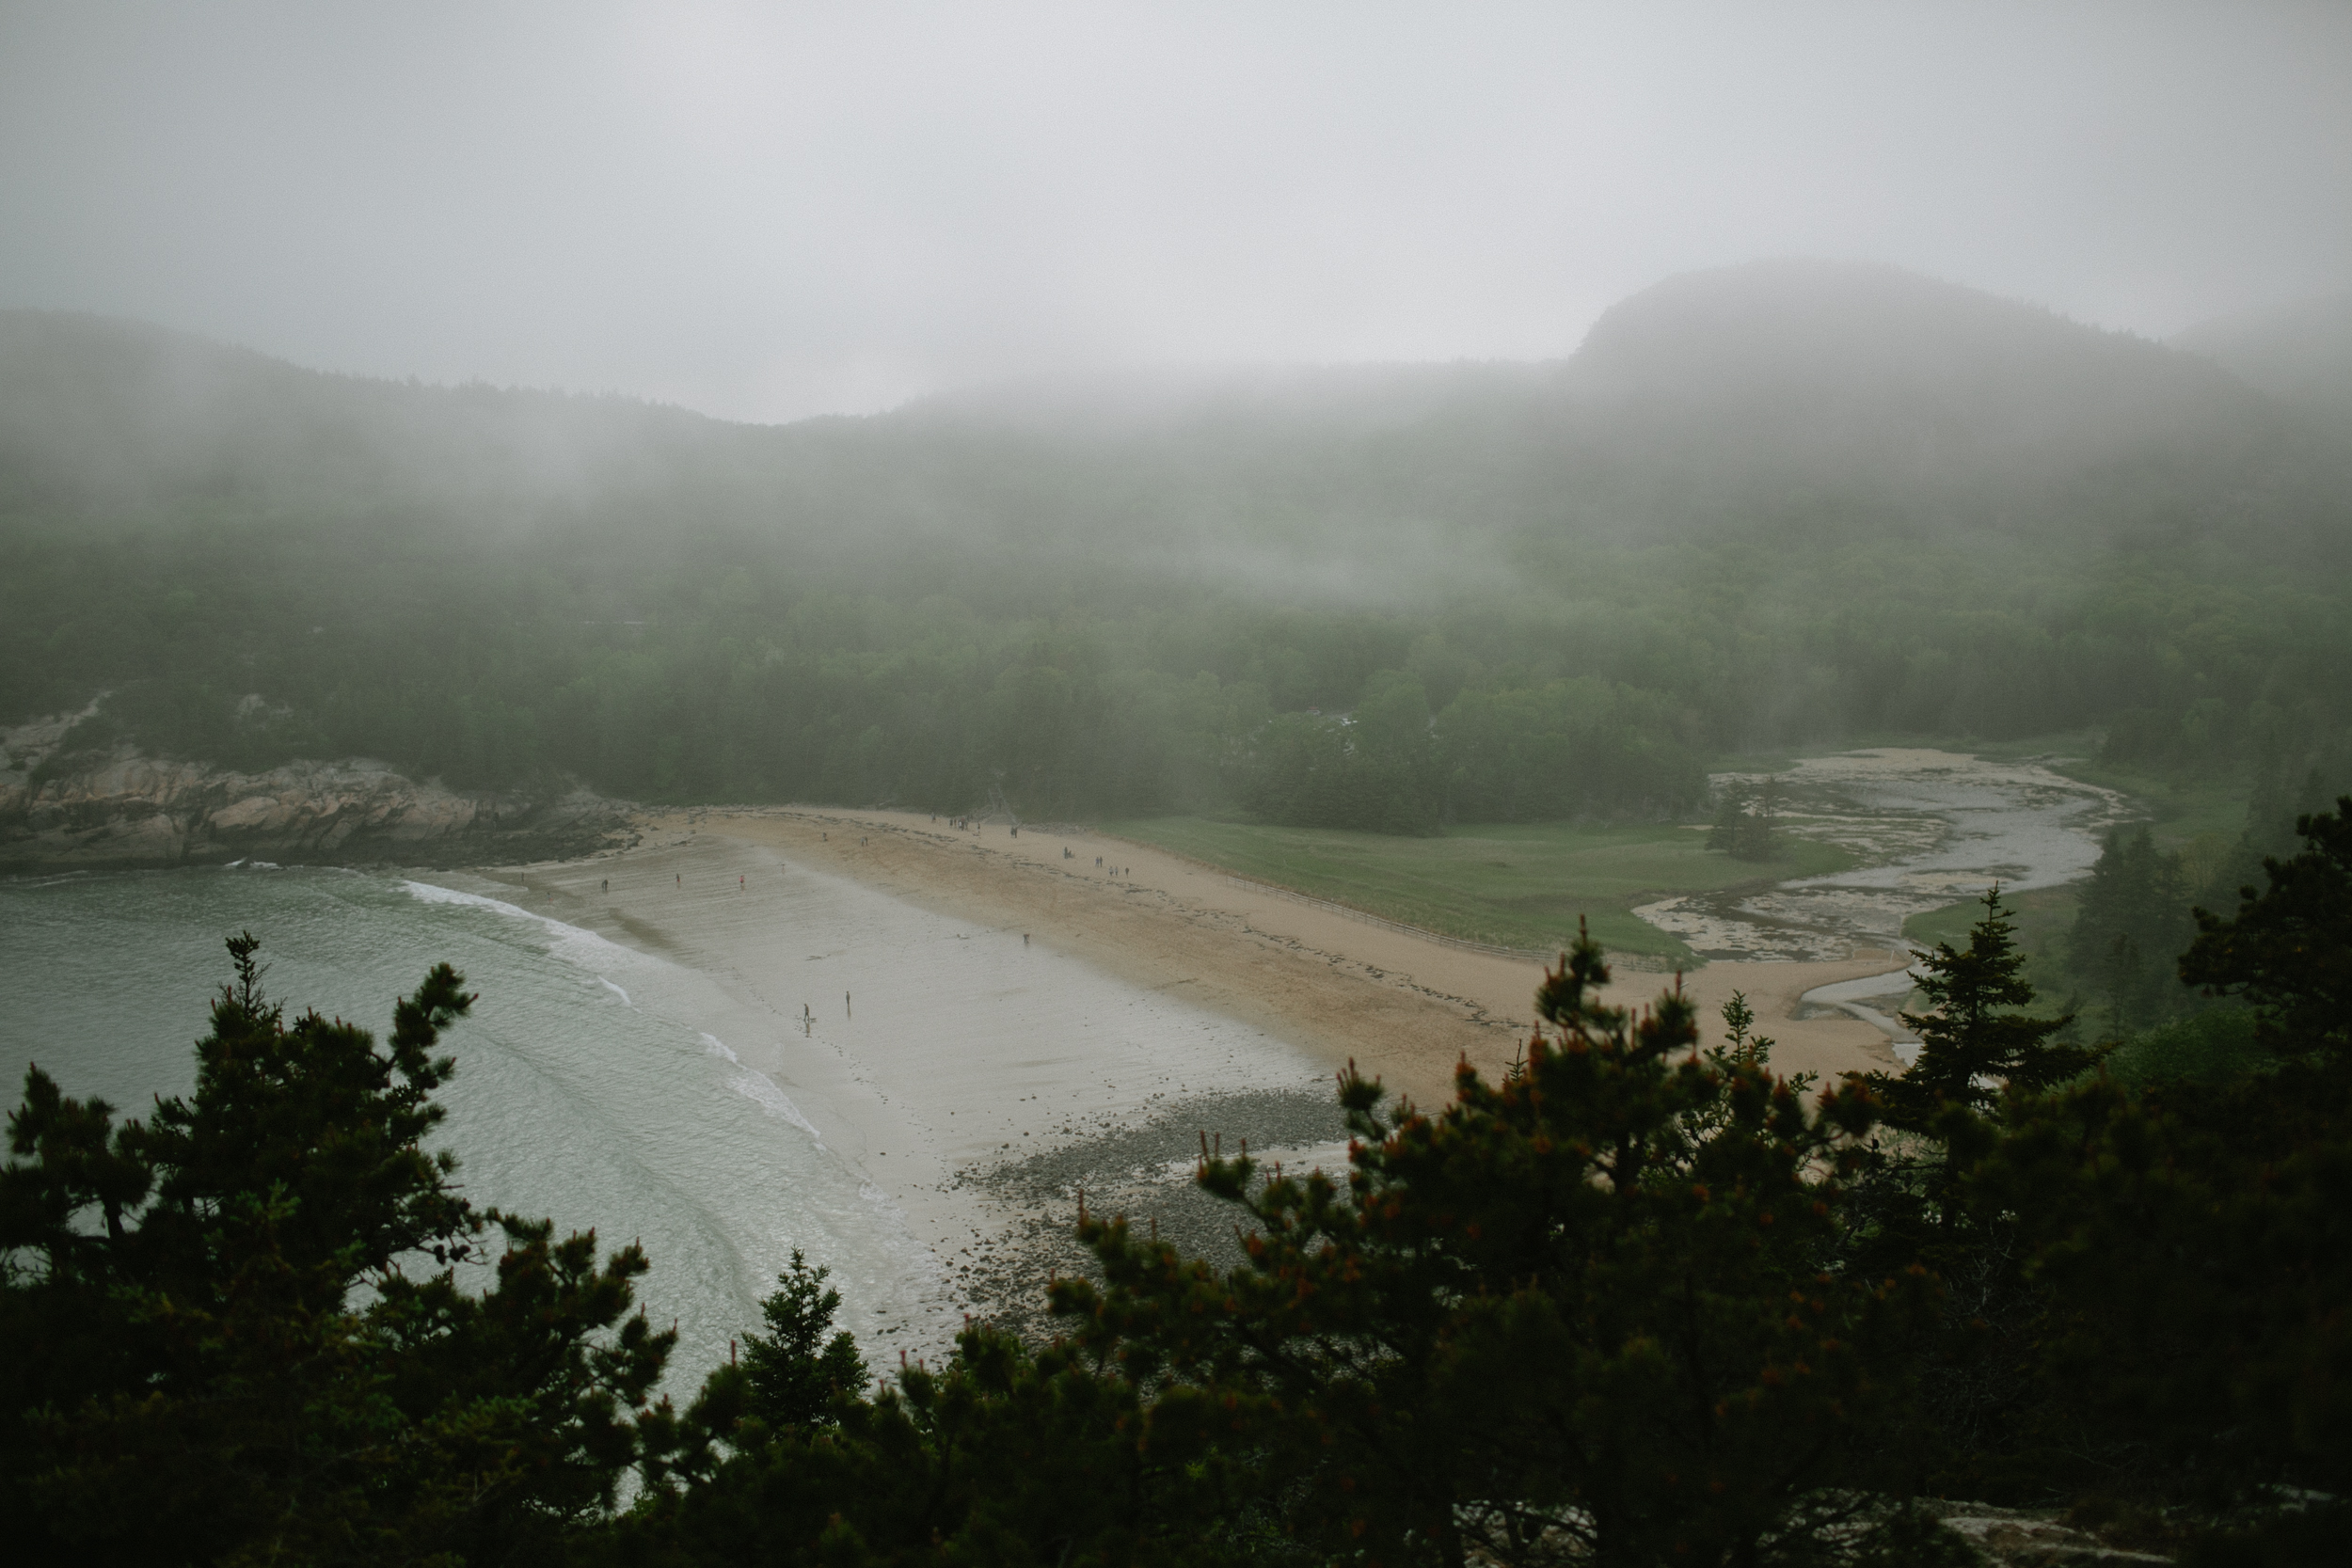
(114,422)
(1794,501)
(1713,398)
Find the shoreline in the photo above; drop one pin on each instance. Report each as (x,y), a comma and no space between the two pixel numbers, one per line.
(1403,1006)
(1213,1006)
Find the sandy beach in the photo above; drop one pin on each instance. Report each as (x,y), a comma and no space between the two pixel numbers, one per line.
(1405,1008)
(1198,1004)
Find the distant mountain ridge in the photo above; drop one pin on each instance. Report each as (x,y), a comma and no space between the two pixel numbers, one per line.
(99,414)
(1856,384)
(1708,398)
(2300,354)
(1760,507)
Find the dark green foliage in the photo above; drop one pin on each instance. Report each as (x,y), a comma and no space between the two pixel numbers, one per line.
(1567,748)
(1974,1043)
(795,1369)
(1593,690)
(1377,769)
(1005,1456)
(235,1362)
(2298,775)
(496,666)
(2194,1244)
(2207,1046)
(2289,949)
(1593,1312)
(2190,1239)
(1741,1045)
(1742,828)
(2131,925)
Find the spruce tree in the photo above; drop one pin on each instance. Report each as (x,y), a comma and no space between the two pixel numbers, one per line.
(2132,923)
(1742,828)
(797,1368)
(244,1313)
(2193,1242)
(1973,1042)
(2288,950)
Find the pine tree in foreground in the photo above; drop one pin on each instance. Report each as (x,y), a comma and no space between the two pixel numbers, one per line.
(1974,1043)
(2289,949)
(801,1365)
(239,1332)
(2131,921)
(1593,1314)
(2192,1242)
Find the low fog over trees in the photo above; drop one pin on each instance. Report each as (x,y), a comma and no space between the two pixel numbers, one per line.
(1781,504)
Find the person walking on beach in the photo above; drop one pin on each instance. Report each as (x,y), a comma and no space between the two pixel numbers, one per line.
(845,1006)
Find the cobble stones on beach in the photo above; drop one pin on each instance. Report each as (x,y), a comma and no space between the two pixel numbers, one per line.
(1143,1172)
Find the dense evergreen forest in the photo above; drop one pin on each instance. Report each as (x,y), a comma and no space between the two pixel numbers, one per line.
(1642,1302)
(1778,505)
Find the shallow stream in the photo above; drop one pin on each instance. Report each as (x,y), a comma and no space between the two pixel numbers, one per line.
(1927,829)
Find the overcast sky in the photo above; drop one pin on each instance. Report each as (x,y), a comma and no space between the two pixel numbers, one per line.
(770,210)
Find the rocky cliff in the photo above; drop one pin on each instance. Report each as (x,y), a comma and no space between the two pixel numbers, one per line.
(123,809)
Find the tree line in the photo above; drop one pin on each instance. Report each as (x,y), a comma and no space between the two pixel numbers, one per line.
(1641,1300)
(1594,682)
(2113,963)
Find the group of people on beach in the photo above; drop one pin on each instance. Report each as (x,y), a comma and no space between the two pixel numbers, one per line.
(965,824)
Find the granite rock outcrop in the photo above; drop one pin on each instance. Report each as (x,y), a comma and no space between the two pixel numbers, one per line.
(123,809)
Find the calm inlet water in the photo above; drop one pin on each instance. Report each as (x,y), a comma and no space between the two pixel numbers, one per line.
(586,1088)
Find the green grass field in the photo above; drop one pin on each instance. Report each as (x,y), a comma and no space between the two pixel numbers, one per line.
(1520,886)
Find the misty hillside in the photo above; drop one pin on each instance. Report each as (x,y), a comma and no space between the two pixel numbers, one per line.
(2303,355)
(1709,400)
(120,421)
(1794,503)
(1874,384)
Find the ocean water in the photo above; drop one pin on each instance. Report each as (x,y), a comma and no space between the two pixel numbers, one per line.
(588,1088)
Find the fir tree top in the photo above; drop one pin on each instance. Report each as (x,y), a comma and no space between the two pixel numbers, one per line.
(1971,1043)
